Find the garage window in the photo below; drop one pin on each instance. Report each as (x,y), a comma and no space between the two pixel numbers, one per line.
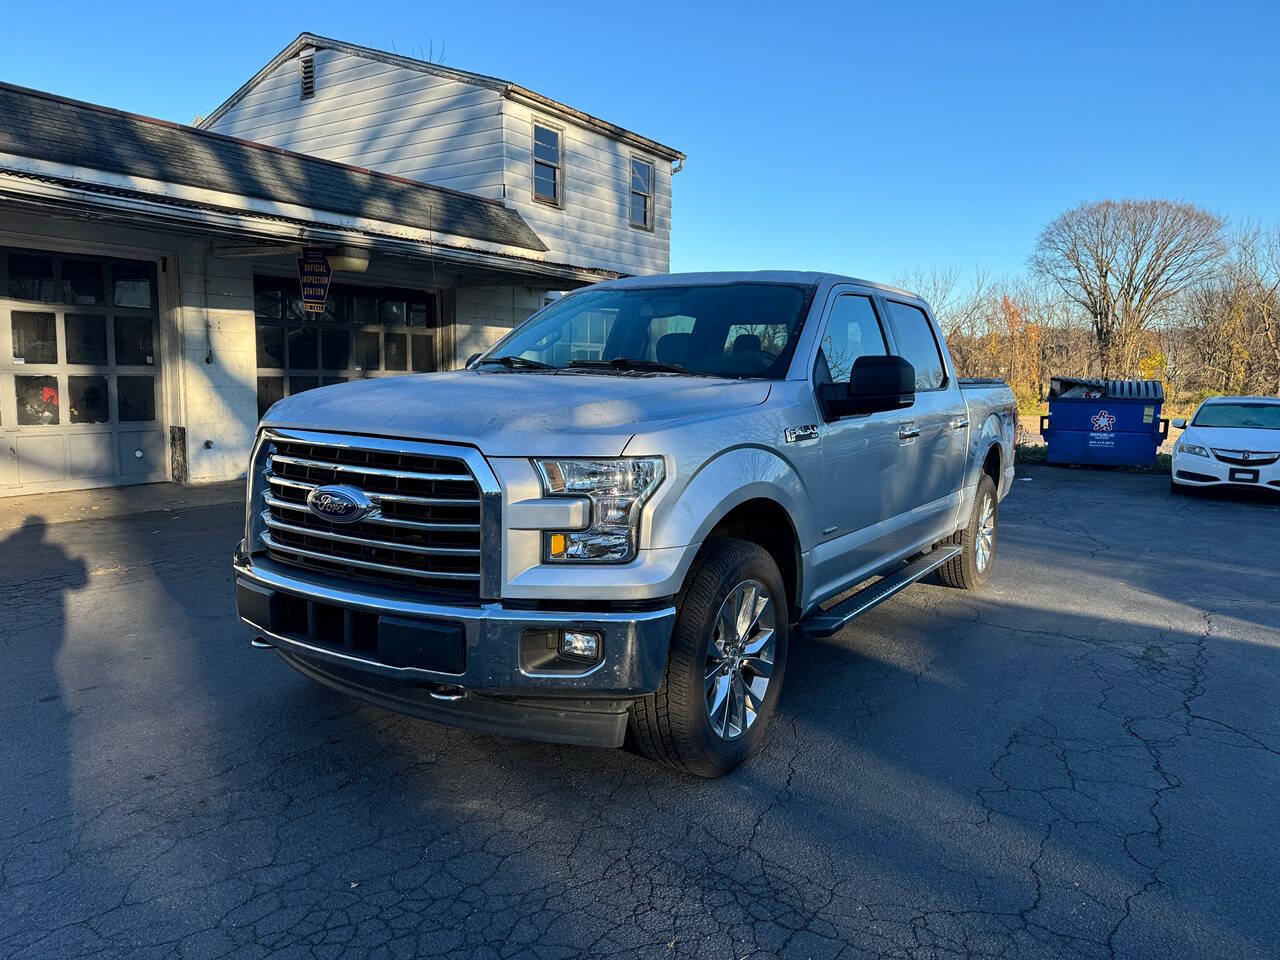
(363,332)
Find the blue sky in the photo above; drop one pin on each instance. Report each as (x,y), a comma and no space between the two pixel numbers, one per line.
(863,138)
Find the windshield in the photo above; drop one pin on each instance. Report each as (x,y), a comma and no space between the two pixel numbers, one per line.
(723,330)
(1255,415)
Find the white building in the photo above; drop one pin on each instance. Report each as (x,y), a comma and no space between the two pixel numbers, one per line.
(149,300)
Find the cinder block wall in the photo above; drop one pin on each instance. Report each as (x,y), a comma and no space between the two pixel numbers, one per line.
(486,314)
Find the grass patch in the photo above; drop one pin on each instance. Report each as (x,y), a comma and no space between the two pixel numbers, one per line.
(1039,453)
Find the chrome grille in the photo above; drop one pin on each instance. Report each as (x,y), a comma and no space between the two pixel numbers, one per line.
(1248,458)
(425,530)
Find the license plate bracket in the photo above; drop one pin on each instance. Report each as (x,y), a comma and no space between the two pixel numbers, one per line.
(1243,476)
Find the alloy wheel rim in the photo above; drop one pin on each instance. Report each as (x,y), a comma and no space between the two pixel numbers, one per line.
(986,540)
(740,658)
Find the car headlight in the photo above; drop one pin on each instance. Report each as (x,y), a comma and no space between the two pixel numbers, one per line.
(1193,449)
(617,490)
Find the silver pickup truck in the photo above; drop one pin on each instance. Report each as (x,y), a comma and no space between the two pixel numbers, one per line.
(615,523)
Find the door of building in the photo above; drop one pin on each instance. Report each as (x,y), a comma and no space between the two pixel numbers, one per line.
(80,398)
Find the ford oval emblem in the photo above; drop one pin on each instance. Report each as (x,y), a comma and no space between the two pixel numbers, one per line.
(339,503)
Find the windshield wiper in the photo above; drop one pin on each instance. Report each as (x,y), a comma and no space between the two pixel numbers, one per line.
(523,362)
(629,363)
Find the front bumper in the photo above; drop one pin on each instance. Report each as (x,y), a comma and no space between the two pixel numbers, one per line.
(1192,471)
(482,681)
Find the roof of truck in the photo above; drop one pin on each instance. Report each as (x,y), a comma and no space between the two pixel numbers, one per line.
(805,277)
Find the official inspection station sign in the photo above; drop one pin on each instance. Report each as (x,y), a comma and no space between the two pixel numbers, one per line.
(314,274)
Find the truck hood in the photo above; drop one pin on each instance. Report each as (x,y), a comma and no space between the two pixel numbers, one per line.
(516,414)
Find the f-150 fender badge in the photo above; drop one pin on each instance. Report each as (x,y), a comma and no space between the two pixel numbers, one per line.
(800,434)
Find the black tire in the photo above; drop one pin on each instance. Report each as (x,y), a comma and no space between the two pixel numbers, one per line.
(1177,489)
(967,571)
(673,726)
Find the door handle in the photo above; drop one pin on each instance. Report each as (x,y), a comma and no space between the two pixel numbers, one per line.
(959,423)
(908,433)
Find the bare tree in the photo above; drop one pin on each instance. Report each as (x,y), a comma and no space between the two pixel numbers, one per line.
(1253,270)
(1124,262)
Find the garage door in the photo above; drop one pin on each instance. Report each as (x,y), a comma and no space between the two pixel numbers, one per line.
(79,372)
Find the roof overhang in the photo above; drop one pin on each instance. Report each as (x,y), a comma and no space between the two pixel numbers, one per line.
(62,189)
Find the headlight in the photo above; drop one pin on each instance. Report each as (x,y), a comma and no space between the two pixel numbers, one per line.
(617,489)
(1193,449)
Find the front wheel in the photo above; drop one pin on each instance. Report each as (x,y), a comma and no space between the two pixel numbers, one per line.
(977,540)
(728,654)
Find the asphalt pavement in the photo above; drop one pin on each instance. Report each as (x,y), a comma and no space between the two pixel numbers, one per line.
(1082,760)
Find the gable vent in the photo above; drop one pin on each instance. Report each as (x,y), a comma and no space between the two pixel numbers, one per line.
(308,77)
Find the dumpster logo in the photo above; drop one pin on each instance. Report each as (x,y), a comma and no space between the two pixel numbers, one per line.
(1104,422)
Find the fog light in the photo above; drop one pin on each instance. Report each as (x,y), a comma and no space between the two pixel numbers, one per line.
(576,643)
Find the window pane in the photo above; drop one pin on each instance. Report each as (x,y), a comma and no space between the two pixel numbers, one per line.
(133,342)
(546,144)
(330,381)
(270,345)
(88,397)
(852,332)
(131,284)
(270,389)
(364,309)
(368,350)
(266,302)
(397,351)
(917,345)
(31,277)
(336,349)
(639,210)
(37,400)
(424,353)
(393,313)
(302,348)
(137,399)
(544,181)
(335,309)
(86,339)
(299,384)
(34,337)
(641,176)
(423,313)
(81,282)
(293,308)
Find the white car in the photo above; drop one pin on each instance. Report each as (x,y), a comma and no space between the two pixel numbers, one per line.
(1231,441)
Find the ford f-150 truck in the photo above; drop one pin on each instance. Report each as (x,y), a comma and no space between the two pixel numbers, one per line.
(617,522)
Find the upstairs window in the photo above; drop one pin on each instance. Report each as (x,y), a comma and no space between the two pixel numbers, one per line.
(548,167)
(641,193)
(307,77)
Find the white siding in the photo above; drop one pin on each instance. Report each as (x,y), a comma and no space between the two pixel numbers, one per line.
(466,137)
(376,115)
(594,226)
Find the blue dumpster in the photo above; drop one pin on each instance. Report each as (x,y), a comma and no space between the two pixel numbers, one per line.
(1104,422)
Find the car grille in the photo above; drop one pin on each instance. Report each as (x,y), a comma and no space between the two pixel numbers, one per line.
(424,531)
(1247,458)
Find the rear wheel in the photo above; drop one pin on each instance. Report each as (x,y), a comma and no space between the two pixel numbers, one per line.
(977,539)
(728,654)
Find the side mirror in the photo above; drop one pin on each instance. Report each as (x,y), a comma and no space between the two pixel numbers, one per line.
(1180,423)
(470,360)
(875,384)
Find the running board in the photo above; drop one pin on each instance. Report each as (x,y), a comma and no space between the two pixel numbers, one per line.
(824,623)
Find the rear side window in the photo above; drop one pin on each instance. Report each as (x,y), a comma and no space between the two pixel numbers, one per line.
(918,346)
(853,331)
